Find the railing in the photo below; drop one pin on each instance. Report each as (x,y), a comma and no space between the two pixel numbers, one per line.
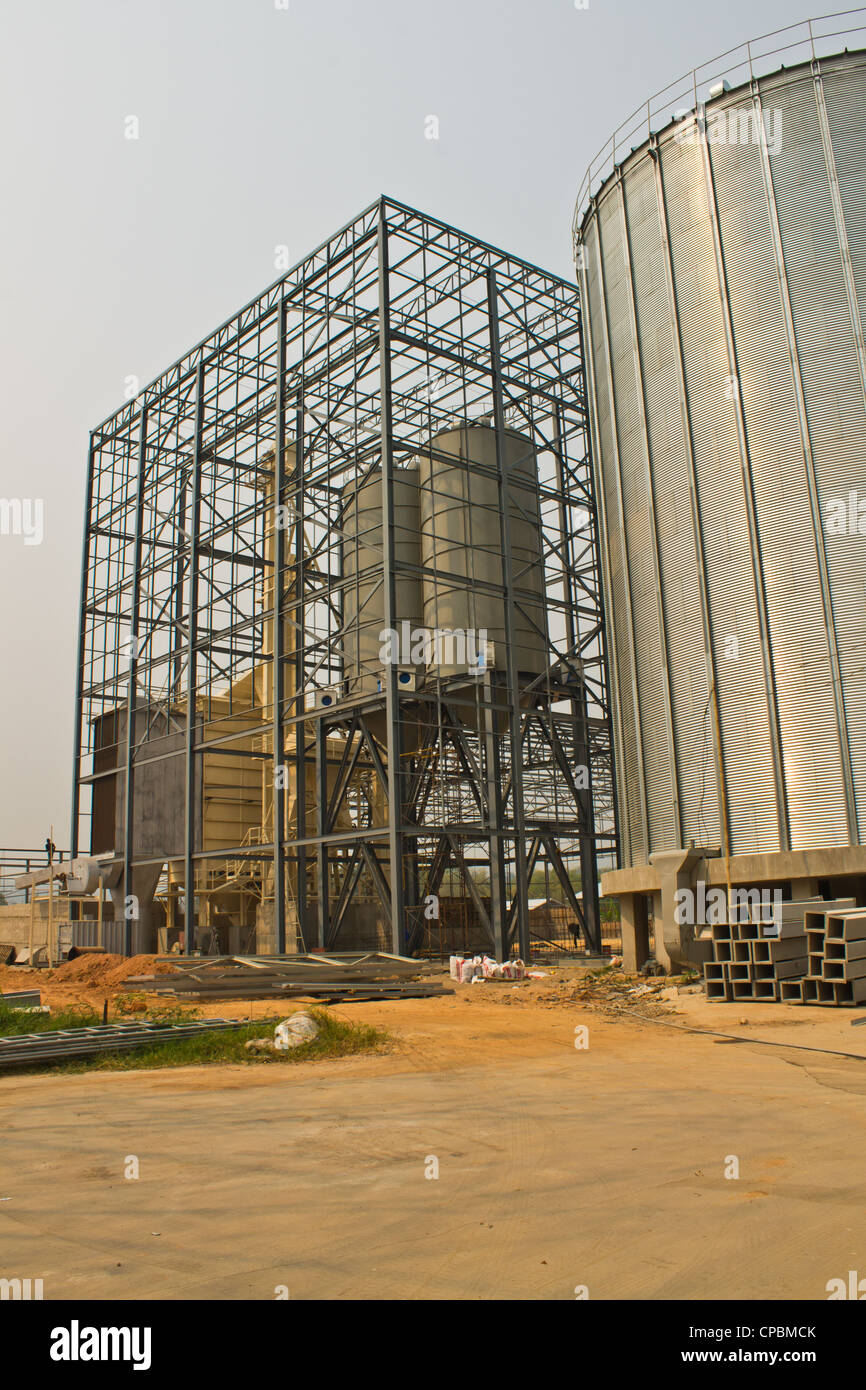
(804,41)
(14,862)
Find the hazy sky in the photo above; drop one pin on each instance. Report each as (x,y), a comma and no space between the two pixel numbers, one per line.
(259,127)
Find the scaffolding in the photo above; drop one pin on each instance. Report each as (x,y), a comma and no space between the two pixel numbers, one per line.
(239,748)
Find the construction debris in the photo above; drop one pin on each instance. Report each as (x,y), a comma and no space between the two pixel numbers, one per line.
(21,999)
(342,976)
(63,1044)
(24,956)
(293,1032)
(467,969)
(605,991)
(301,1028)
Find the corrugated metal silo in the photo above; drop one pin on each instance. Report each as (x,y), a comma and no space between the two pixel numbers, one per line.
(723,276)
(363,592)
(461,542)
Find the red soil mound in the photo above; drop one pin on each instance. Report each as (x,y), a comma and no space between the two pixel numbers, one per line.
(109,969)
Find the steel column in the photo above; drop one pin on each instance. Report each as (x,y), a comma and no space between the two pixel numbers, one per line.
(495,823)
(521,887)
(82,639)
(134,614)
(278,803)
(191,806)
(323,829)
(392,696)
(298,610)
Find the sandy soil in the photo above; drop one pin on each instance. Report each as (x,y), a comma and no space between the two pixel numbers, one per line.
(557,1167)
(91,980)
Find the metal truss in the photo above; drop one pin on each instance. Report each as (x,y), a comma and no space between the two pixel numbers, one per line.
(257,778)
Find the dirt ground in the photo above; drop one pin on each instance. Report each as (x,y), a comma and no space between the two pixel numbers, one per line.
(482,1156)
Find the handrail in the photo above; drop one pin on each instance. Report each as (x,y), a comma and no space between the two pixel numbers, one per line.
(653,113)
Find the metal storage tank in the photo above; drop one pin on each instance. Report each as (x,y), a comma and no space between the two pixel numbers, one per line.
(364,592)
(461,542)
(722,267)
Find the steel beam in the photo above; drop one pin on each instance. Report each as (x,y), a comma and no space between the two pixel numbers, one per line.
(191,807)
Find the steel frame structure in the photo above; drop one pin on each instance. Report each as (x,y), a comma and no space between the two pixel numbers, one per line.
(213,595)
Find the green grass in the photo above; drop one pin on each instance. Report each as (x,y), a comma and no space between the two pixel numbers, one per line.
(336,1038)
(15,1021)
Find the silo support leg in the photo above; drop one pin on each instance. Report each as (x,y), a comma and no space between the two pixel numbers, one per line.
(589,894)
(634,919)
(674,939)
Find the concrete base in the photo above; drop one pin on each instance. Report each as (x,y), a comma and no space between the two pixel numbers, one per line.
(634,915)
(803,874)
(144,923)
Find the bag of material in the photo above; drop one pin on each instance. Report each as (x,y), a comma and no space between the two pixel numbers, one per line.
(301,1028)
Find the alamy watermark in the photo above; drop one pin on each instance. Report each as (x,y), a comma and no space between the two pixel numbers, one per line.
(435,646)
(845,516)
(21,1290)
(739,126)
(77,1343)
(708,907)
(23,516)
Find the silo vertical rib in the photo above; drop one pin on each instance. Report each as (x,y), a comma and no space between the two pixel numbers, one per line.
(749,501)
(695,508)
(621,537)
(657,575)
(841,229)
(612,664)
(809,464)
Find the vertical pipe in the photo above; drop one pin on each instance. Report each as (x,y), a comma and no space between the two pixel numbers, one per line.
(190,804)
(392,698)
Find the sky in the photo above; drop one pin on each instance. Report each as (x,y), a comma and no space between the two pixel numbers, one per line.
(261,124)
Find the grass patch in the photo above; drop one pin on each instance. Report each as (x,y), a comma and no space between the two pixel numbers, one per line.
(336,1038)
(16,1021)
